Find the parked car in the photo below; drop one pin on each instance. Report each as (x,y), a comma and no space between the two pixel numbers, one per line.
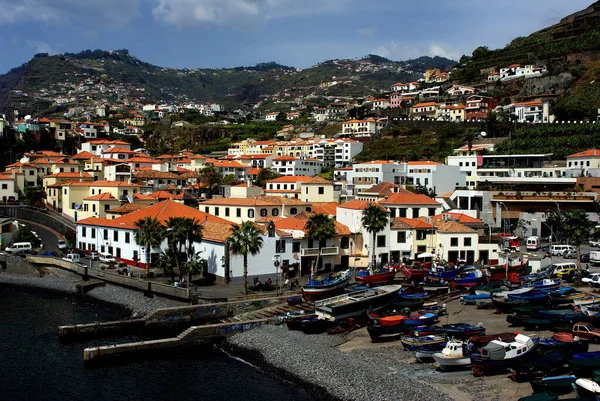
(570,254)
(594,242)
(591,277)
(93,255)
(587,331)
(595,282)
(79,252)
(585,258)
(106,258)
(62,245)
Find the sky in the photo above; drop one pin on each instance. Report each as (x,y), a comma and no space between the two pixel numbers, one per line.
(299,33)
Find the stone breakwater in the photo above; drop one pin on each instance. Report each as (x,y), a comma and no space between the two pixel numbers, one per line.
(134,301)
(384,373)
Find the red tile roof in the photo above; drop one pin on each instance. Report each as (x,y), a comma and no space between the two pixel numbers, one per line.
(586,153)
(403,223)
(289,179)
(460,217)
(409,199)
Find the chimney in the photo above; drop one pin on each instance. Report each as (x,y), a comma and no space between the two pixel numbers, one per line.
(249,183)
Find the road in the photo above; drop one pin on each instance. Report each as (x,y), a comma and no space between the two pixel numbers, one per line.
(48,237)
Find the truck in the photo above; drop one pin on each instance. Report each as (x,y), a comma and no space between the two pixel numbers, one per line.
(586,331)
(595,257)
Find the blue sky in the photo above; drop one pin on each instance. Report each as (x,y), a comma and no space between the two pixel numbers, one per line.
(300,33)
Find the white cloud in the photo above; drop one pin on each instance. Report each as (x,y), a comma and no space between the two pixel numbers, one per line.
(243,14)
(105,12)
(41,47)
(367,31)
(403,51)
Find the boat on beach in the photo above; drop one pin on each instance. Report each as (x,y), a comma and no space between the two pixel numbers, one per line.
(557,384)
(411,343)
(369,277)
(327,287)
(356,303)
(454,356)
(498,356)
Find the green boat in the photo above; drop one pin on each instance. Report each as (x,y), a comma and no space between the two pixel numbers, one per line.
(544,396)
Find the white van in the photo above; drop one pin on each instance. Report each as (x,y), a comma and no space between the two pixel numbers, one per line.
(106,258)
(559,250)
(533,243)
(559,268)
(20,247)
(72,257)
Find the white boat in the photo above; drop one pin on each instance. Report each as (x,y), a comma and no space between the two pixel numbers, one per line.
(505,294)
(453,356)
(587,301)
(587,389)
(590,310)
(355,303)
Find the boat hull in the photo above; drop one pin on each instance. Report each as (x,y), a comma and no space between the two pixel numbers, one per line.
(316,292)
(558,385)
(377,278)
(449,364)
(355,304)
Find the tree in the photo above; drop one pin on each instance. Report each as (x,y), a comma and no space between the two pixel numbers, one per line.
(24,234)
(374,219)
(469,137)
(34,196)
(245,239)
(282,116)
(266,174)
(181,232)
(320,227)
(150,234)
(577,228)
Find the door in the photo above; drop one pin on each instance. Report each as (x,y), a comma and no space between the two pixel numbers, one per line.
(344,262)
(484,256)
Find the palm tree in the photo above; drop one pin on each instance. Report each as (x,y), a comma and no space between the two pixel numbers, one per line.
(245,239)
(469,137)
(179,231)
(577,227)
(375,219)
(320,227)
(150,234)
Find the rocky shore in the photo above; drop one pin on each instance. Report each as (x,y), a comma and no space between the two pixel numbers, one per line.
(384,373)
(134,301)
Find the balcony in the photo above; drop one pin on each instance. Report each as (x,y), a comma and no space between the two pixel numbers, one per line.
(309,251)
(330,251)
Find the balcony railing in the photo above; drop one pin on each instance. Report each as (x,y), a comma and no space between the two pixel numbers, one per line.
(330,251)
(310,252)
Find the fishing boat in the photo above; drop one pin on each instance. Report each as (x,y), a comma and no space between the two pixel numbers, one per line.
(556,384)
(415,273)
(411,343)
(370,277)
(308,324)
(497,356)
(538,366)
(443,273)
(505,294)
(468,278)
(412,304)
(472,299)
(479,341)
(590,310)
(455,355)
(489,288)
(424,319)
(327,287)
(424,353)
(587,389)
(563,341)
(585,361)
(530,297)
(506,306)
(461,331)
(388,328)
(545,284)
(354,304)
(561,314)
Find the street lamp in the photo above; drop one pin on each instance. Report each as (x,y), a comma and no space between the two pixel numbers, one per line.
(276,264)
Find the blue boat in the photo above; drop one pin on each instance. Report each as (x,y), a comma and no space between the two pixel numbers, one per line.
(424,319)
(411,343)
(585,362)
(424,352)
(469,278)
(420,295)
(557,384)
(471,299)
(546,284)
(529,297)
(562,314)
(445,273)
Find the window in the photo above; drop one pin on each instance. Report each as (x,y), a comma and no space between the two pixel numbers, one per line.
(226,212)
(251,213)
(280,246)
(453,241)
(295,247)
(93,230)
(293,211)
(4,186)
(105,234)
(345,242)
(127,238)
(467,241)
(206,209)
(403,212)
(401,237)
(216,211)
(275,212)
(380,241)
(115,235)
(321,190)
(238,212)
(415,212)
(421,235)
(263,212)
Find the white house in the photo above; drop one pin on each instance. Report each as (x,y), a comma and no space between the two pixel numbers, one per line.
(287,186)
(359,128)
(318,190)
(262,208)
(272,116)
(438,177)
(289,165)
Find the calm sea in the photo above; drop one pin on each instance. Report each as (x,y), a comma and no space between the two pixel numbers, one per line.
(35,366)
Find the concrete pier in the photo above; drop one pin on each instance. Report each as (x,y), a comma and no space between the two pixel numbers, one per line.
(86,286)
(192,337)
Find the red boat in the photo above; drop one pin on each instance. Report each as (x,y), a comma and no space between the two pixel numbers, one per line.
(380,277)
(417,273)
